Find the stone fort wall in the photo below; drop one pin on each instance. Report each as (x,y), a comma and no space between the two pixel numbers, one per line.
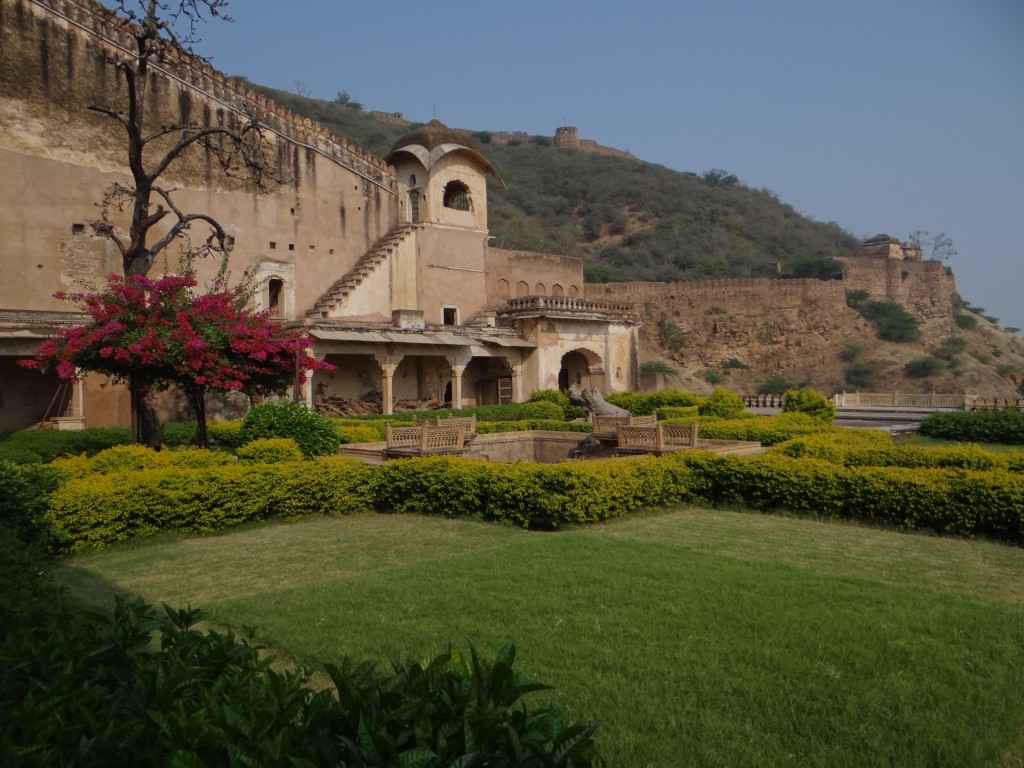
(55,57)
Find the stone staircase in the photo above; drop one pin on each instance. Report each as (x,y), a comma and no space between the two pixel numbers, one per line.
(373,258)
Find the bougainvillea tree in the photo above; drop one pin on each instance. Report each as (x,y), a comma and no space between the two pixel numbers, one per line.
(163,333)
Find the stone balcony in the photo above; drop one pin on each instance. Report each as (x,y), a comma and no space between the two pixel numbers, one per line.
(567,307)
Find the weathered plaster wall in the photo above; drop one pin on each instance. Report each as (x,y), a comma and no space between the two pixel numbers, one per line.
(57,157)
(549,275)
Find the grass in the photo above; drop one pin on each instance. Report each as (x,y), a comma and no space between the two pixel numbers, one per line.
(697,637)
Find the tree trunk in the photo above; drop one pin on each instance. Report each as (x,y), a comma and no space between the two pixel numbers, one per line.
(197,399)
(145,422)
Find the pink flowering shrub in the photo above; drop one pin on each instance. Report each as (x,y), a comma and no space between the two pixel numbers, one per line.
(162,333)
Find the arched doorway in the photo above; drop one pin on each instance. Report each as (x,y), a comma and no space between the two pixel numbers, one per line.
(581,368)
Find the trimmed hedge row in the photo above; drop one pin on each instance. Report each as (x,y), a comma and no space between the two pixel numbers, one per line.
(767,430)
(1003,426)
(951,501)
(643,403)
(909,456)
(38,446)
(532,495)
(95,509)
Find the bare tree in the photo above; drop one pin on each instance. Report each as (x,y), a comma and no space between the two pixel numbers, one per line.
(939,247)
(164,32)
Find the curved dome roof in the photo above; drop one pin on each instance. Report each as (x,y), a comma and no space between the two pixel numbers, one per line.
(432,141)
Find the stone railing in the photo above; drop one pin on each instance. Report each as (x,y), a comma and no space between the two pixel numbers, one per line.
(996,403)
(897,400)
(656,438)
(762,401)
(425,440)
(569,304)
(466,423)
(607,426)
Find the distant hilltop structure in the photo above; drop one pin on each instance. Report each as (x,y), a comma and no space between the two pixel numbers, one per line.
(890,247)
(568,137)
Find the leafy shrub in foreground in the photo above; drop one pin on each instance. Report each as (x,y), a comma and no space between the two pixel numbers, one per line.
(96,690)
(315,434)
(24,492)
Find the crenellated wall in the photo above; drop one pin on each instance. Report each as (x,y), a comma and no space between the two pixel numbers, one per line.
(779,325)
(58,156)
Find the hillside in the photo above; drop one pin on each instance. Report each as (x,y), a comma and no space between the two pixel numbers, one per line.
(627,219)
(635,221)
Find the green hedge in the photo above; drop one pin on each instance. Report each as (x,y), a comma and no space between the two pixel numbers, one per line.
(1002,426)
(530,495)
(643,403)
(127,458)
(679,413)
(38,446)
(879,453)
(767,430)
(948,501)
(96,509)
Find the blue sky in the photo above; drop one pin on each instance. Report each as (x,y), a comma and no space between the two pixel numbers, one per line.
(884,116)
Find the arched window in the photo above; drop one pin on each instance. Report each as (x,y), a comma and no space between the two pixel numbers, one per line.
(540,290)
(504,290)
(456,195)
(556,290)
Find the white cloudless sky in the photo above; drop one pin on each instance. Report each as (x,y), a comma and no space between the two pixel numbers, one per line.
(882,115)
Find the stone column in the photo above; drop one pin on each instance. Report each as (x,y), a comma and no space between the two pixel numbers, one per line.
(388,365)
(307,383)
(515,363)
(458,362)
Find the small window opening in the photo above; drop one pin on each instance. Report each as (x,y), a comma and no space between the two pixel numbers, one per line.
(77,229)
(273,245)
(412,180)
(291,246)
(275,296)
(450,316)
(456,196)
(312,248)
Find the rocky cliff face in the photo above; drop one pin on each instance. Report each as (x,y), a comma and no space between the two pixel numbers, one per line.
(742,332)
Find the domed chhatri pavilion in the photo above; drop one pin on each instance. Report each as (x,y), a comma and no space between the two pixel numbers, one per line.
(384,262)
(469,323)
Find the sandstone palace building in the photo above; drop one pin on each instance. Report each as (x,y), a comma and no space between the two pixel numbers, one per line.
(384,262)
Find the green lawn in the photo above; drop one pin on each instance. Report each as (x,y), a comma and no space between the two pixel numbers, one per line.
(696,637)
